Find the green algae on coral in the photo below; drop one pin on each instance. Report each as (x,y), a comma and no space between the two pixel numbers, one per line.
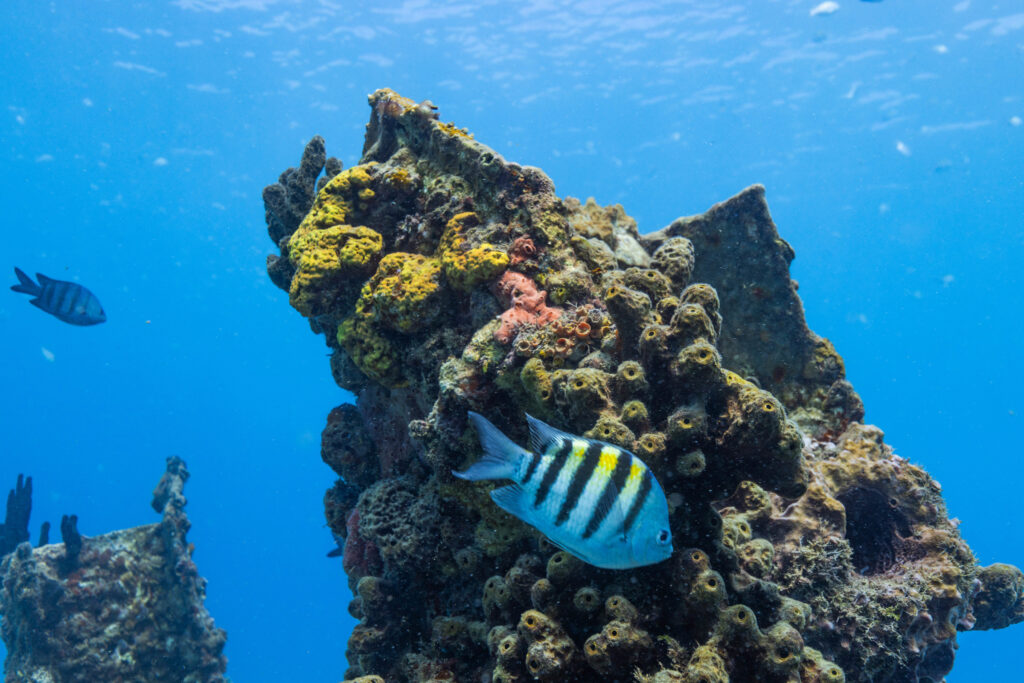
(370,351)
(404,294)
(466,266)
(325,260)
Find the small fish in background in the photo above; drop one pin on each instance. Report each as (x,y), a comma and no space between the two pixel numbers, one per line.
(339,547)
(67,301)
(590,498)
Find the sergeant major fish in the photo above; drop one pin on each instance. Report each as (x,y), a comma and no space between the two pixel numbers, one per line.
(67,301)
(590,498)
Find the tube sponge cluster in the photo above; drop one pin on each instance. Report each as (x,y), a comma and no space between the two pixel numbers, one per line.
(806,550)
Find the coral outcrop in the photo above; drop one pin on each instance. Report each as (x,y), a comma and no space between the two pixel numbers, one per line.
(124,606)
(806,549)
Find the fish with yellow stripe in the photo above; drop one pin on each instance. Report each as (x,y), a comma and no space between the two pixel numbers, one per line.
(590,498)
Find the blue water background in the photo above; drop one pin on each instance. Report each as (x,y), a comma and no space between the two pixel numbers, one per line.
(137,137)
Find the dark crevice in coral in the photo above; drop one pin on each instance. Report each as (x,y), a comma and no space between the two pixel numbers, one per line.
(873,527)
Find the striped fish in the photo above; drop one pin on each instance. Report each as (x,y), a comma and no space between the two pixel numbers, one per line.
(590,498)
(66,301)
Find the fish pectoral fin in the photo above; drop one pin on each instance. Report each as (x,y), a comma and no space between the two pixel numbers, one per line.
(510,499)
(542,434)
(558,545)
(575,553)
(38,304)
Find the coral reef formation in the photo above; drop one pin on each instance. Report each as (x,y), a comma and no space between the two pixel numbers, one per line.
(446,279)
(124,606)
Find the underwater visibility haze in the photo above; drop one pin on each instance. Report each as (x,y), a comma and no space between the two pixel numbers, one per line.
(789,311)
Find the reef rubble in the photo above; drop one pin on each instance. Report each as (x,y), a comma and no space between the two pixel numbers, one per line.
(123,606)
(446,279)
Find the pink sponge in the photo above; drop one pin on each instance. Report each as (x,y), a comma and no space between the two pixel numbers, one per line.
(526,305)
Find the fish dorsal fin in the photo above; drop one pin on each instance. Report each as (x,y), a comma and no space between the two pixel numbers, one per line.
(542,434)
(43,280)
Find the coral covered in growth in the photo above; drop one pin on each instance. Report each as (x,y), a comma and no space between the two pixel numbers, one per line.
(805,549)
(124,606)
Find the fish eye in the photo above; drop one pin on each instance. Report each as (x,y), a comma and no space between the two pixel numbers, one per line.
(663,536)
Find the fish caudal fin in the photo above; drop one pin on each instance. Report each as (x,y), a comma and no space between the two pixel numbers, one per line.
(25,284)
(501,455)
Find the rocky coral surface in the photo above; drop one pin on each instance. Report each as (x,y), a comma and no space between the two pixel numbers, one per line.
(125,606)
(446,279)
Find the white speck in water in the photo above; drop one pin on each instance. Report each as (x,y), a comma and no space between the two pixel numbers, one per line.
(1015,121)
(47,354)
(160,161)
(902,148)
(825,8)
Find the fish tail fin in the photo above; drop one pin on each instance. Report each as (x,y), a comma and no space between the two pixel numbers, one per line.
(501,455)
(25,284)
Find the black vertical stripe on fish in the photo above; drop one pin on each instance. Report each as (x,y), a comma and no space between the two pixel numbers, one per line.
(48,293)
(551,473)
(579,481)
(57,298)
(64,296)
(79,299)
(535,459)
(69,300)
(609,494)
(638,501)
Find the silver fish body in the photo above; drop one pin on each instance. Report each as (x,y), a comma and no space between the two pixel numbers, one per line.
(592,499)
(67,301)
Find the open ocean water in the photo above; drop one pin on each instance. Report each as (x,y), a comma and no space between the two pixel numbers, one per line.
(136,138)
